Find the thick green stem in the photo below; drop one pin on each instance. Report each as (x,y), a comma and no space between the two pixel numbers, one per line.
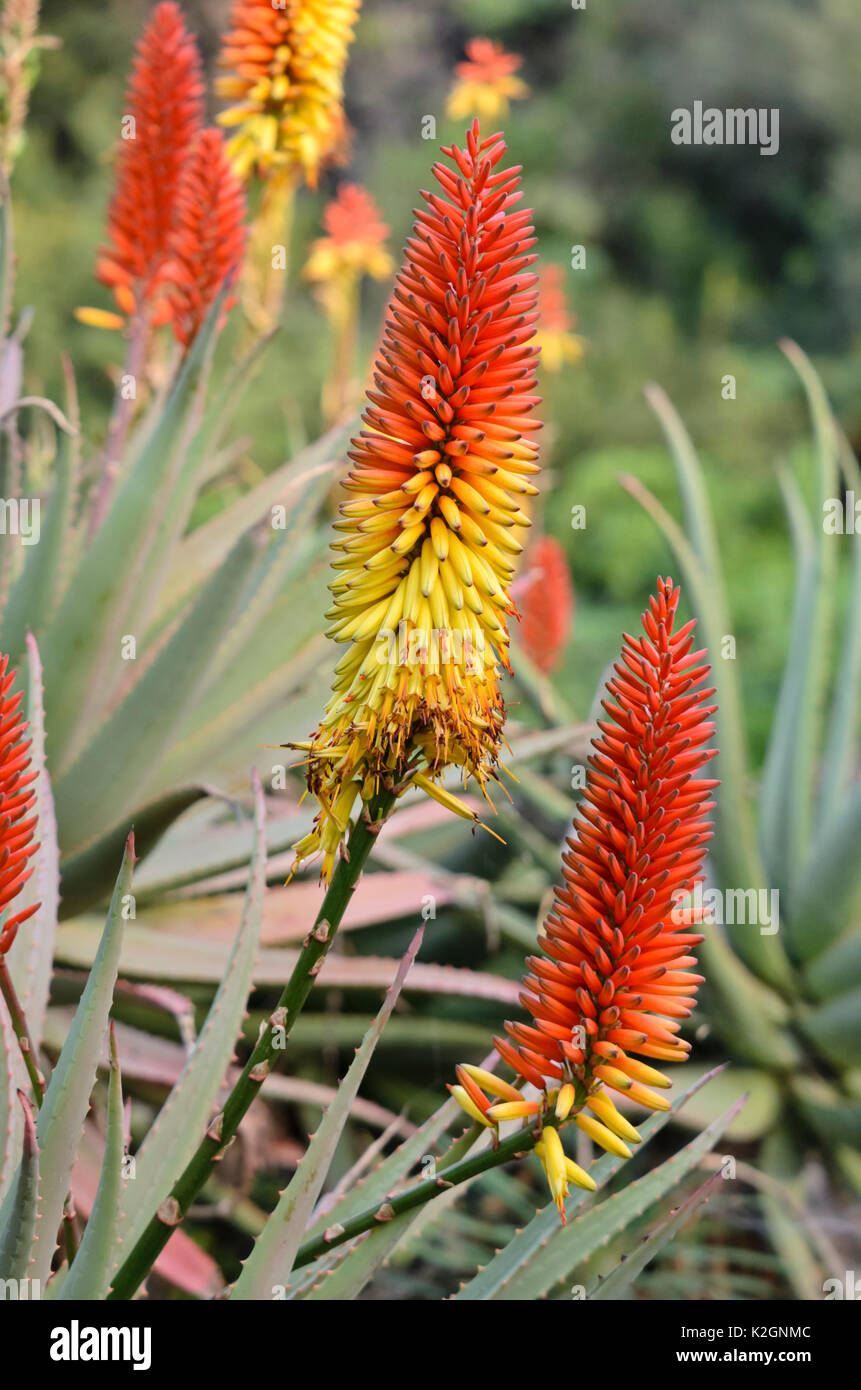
(455,1173)
(22,1033)
(270,1047)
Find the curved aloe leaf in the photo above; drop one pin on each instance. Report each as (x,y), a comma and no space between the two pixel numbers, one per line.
(89,1276)
(841,752)
(299,484)
(700,558)
(31,956)
(34,594)
(122,757)
(836,969)
(271,1260)
(82,640)
(618,1283)
(20,1208)
(87,876)
(787,787)
(67,1099)
(175,1134)
(735,843)
(835,1116)
(829,882)
(11,1069)
(834,1028)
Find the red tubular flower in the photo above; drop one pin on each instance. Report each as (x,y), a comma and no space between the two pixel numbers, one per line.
(615,974)
(208,239)
(547,605)
(17,798)
(165,100)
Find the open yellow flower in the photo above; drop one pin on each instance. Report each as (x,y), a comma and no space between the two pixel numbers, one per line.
(429,535)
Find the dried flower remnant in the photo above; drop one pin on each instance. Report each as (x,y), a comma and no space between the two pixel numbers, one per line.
(284,70)
(163,115)
(17,802)
(546,604)
(430,533)
(614,975)
(208,241)
(486,83)
(559,346)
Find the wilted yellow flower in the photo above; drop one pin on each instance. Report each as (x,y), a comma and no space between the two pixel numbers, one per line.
(286,64)
(486,83)
(559,346)
(429,535)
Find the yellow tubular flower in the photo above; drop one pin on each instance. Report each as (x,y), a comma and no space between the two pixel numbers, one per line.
(429,535)
(286,67)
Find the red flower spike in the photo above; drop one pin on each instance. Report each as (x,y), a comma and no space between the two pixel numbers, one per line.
(208,240)
(547,605)
(614,977)
(17,799)
(615,965)
(165,99)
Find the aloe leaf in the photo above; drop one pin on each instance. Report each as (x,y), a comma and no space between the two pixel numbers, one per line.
(20,1208)
(571,1245)
(748,1013)
(87,875)
(834,1116)
(841,753)
(837,968)
(90,1275)
(33,596)
(115,766)
(834,1028)
(67,1099)
(206,845)
(787,787)
(758,1118)
(618,1283)
(174,1136)
(303,478)
(80,645)
(31,956)
(251,688)
(11,1068)
(543,1228)
(346,1277)
(196,467)
(700,559)
(358,1263)
(735,842)
(271,1260)
(829,882)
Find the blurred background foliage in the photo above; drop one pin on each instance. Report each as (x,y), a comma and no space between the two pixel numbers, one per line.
(697,258)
